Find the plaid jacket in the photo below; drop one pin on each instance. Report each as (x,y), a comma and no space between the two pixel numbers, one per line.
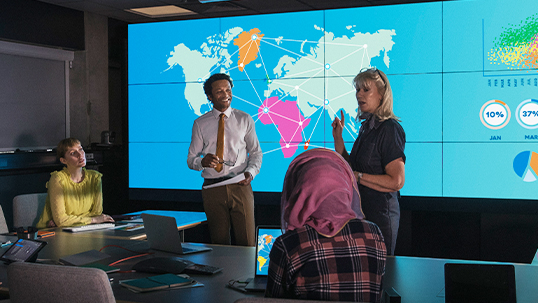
(347,267)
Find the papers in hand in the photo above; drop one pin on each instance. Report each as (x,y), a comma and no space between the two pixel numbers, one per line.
(233,180)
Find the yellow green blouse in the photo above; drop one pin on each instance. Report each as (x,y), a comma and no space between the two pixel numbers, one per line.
(69,203)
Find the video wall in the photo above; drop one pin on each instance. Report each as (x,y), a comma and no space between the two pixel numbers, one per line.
(464,76)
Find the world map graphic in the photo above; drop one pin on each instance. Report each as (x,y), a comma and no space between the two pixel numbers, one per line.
(288,97)
(265,244)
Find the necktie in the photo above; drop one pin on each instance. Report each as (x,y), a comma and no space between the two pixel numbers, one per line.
(220,142)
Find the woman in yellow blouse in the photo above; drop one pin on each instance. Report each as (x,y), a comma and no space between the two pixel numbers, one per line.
(75,194)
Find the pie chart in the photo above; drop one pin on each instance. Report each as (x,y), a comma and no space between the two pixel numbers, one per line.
(526,166)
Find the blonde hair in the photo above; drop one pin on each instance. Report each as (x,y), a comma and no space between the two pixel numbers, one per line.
(65,145)
(380,80)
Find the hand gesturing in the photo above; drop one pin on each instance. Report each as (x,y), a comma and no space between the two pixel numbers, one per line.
(338,128)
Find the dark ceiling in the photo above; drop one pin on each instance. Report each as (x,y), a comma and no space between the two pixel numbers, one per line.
(116,8)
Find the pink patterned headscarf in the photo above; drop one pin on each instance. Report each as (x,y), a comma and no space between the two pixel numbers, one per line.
(320,190)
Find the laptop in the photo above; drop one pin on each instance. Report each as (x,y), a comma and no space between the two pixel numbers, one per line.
(162,234)
(480,283)
(266,236)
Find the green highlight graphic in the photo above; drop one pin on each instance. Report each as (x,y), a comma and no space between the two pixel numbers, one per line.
(517,46)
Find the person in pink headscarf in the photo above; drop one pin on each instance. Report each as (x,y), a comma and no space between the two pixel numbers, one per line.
(328,251)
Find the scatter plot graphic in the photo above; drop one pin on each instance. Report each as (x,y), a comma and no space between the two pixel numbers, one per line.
(517,45)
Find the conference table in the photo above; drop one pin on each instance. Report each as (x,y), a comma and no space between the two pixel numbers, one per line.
(416,279)
(234,261)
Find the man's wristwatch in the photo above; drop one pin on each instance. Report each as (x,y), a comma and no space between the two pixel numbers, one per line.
(359,177)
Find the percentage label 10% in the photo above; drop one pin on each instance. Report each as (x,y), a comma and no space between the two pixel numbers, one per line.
(495,114)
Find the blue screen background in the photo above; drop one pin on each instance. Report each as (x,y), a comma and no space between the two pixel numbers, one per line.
(444,61)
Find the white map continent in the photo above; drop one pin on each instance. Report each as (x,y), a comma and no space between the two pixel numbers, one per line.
(198,64)
(344,56)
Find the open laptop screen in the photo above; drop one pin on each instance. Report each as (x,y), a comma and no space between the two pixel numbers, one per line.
(266,237)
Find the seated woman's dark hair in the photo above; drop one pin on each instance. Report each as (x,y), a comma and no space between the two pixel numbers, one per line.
(64,145)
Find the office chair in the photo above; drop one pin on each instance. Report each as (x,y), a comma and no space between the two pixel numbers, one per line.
(27,209)
(3,224)
(40,283)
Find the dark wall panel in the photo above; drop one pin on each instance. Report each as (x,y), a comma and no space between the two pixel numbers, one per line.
(512,237)
(32,98)
(41,23)
(453,235)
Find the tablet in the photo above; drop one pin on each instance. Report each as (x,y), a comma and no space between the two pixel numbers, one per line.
(23,251)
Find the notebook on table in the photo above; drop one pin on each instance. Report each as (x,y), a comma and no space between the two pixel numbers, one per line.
(162,234)
(266,236)
(84,258)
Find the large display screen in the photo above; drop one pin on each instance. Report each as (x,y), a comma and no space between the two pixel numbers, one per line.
(464,76)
